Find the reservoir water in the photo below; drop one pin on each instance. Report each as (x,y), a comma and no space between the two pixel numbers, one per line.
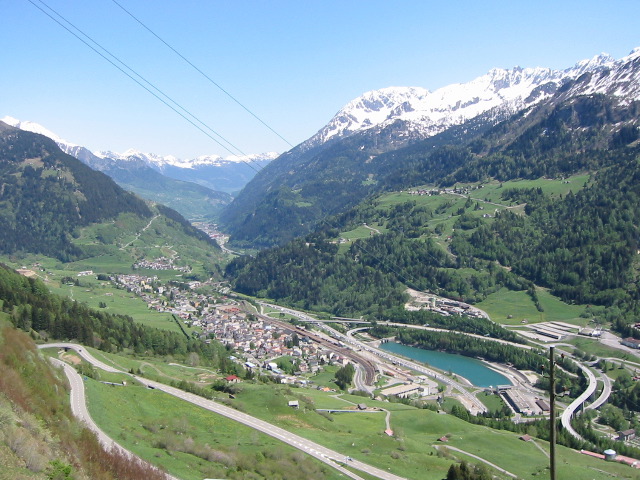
(470,368)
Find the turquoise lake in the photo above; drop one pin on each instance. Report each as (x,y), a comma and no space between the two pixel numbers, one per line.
(470,368)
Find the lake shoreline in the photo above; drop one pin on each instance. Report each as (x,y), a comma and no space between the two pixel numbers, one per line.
(469,370)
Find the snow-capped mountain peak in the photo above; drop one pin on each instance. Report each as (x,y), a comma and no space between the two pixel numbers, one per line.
(33,127)
(502,91)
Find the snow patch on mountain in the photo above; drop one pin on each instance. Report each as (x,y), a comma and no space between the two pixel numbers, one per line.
(161,162)
(151,159)
(32,127)
(428,113)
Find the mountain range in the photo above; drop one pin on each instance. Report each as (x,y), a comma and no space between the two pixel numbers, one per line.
(198,188)
(351,157)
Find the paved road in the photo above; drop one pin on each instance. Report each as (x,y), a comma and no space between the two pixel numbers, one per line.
(606,392)
(84,354)
(573,406)
(328,456)
(80,411)
(473,401)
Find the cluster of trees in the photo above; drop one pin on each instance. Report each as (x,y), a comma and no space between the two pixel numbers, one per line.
(625,395)
(581,247)
(465,471)
(458,323)
(597,441)
(369,278)
(312,276)
(344,376)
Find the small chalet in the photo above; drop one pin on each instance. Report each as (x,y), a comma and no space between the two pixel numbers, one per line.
(232,379)
(625,435)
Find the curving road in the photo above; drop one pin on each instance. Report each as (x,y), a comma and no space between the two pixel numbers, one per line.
(325,455)
(472,399)
(573,406)
(80,411)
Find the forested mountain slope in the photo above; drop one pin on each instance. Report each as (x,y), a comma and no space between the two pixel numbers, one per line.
(48,199)
(314,180)
(581,244)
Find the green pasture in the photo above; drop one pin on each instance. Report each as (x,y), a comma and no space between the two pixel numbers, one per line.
(415,431)
(517,304)
(94,292)
(162,370)
(191,442)
(362,232)
(593,346)
(491,401)
(150,422)
(117,301)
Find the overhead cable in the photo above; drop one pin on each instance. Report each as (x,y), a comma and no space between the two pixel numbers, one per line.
(202,73)
(184,115)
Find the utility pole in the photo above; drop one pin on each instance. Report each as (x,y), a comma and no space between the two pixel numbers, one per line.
(552,413)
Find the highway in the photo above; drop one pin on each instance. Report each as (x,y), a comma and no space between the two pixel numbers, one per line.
(573,406)
(606,392)
(325,455)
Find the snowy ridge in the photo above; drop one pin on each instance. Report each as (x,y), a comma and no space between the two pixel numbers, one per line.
(151,159)
(428,113)
(621,78)
(160,162)
(32,127)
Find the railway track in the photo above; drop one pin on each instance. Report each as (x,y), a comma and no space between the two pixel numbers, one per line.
(368,366)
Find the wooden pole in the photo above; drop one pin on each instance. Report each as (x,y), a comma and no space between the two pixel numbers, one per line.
(552,413)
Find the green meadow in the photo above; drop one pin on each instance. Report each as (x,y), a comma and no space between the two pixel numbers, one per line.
(510,307)
(170,433)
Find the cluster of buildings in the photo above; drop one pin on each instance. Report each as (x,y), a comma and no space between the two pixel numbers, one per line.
(257,340)
(181,301)
(210,229)
(162,263)
(261,341)
(443,306)
(522,403)
(425,388)
(434,191)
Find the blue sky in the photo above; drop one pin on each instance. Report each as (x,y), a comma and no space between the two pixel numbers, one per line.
(294,63)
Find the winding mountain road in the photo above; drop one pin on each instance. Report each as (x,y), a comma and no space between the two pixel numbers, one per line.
(330,457)
(80,411)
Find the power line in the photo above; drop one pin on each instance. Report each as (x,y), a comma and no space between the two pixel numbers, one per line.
(202,73)
(142,85)
(389,265)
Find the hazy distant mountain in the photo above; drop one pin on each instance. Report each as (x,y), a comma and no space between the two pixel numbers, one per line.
(224,174)
(197,188)
(345,160)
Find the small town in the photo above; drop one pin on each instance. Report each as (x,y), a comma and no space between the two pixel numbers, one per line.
(258,341)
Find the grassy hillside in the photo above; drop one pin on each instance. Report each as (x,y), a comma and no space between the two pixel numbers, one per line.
(39,437)
(54,205)
(176,434)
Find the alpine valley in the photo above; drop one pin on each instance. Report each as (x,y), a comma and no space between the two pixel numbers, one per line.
(198,188)
(485,220)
